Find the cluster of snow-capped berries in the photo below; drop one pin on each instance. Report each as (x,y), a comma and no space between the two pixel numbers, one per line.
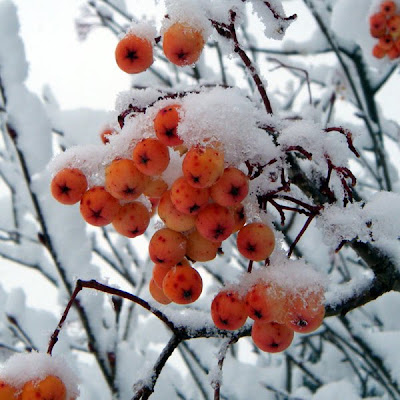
(200,209)
(385,26)
(49,387)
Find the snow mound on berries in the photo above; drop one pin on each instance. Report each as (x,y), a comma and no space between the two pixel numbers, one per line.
(293,276)
(218,116)
(21,368)
(145,30)
(228,117)
(188,12)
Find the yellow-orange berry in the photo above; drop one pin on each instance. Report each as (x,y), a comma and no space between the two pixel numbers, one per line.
(123,180)
(201,249)
(188,199)
(239,216)
(49,388)
(158,293)
(231,188)
(172,217)
(8,392)
(215,222)
(256,241)
(98,207)
(134,54)
(68,185)
(155,187)
(167,247)
(182,44)
(202,166)
(151,157)
(132,219)
(166,125)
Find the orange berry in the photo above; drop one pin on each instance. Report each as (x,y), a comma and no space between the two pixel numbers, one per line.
(266,302)
(159,271)
(388,8)
(228,310)
(182,44)
(377,33)
(239,216)
(123,180)
(188,199)
(166,124)
(378,52)
(167,247)
(134,54)
(385,42)
(377,21)
(132,219)
(68,185)
(173,218)
(257,305)
(271,336)
(231,188)
(155,187)
(305,312)
(151,157)
(202,166)
(49,388)
(98,207)
(393,25)
(157,293)
(8,392)
(183,284)
(215,222)
(256,241)
(201,249)
(393,52)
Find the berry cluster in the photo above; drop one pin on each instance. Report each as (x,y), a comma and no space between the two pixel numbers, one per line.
(182,45)
(203,205)
(385,26)
(276,311)
(37,376)
(50,387)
